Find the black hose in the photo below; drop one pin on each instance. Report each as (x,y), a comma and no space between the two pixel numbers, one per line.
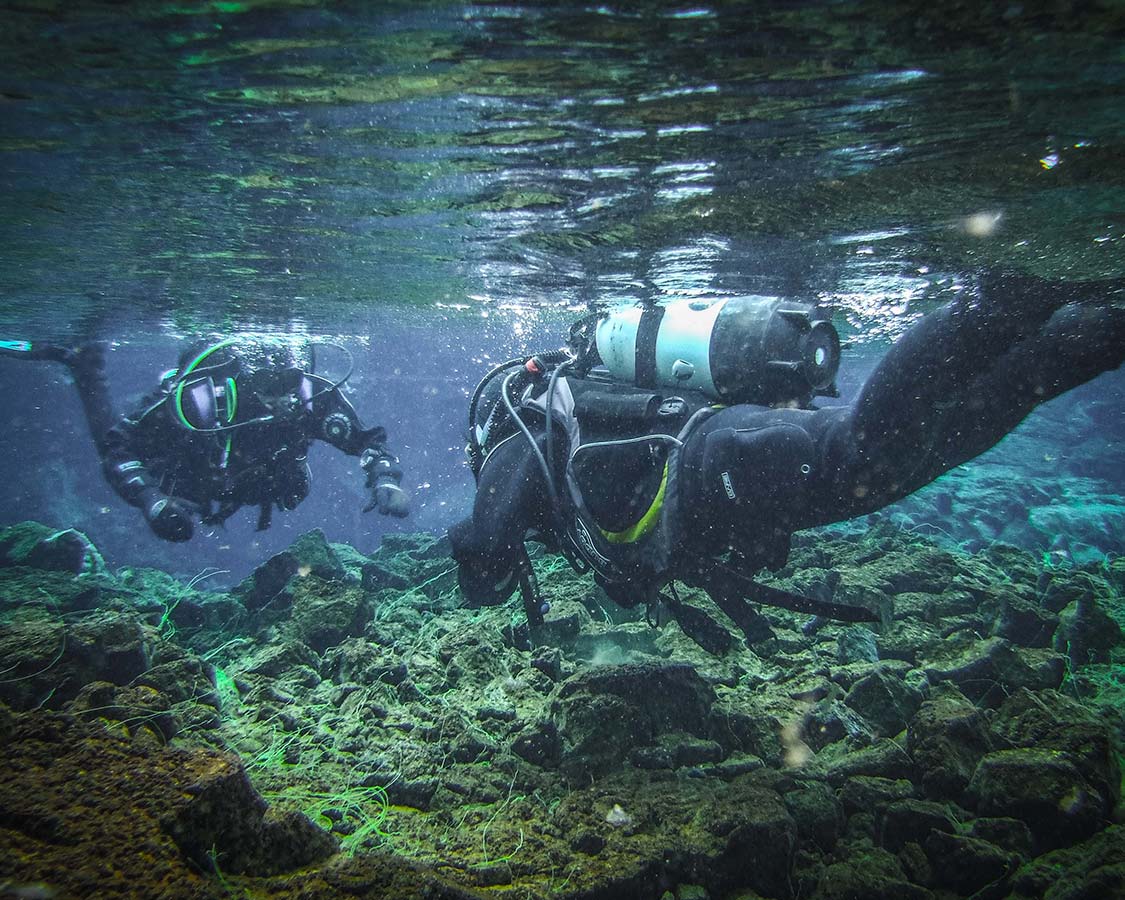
(475,448)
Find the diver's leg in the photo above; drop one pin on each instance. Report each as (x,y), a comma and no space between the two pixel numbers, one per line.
(914,415)
(87,366)
(488,545)
(35,350)
(1076,345)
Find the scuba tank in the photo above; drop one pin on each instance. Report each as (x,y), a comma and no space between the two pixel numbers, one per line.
(762,350)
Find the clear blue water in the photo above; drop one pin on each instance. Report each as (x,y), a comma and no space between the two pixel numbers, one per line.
(440,185)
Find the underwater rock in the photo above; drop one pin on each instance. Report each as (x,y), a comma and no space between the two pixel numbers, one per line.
(602,714)
(987,671)
(1086,633)
(36,546)
(1049,720)
(847,675)
(1093,523)
(966,864)
(1006,833)
(908,640)
(837,762)
(884,701)
(1092,869)
(179,675)
(1022,621)
(911,820)
(867,792)
(324,613)
(287,659)
(137,708)
(267,585)
(221,809)
(1058,589)
(856,644)
(829,720)
(91,813)
(361,662)
(873,874)
(48,661)
(418,561)
(549,661)
(947,738)
(539,744)
(818,814)
(414,792)
(1042,788)
(675,750)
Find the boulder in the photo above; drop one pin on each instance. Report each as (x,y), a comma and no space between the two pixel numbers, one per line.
(1042,788)
(1086,633)
(602,714)
(868,792)
(324,613)
(910,820)
(872,875)
(947,737)
(830,720)
(1092,869)
(966,864)
(37,546)
(884,701)
(268,584)
(48,661)
(1051,721)
(988,671)
(818,814)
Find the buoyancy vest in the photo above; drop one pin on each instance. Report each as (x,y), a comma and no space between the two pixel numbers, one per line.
(620,480)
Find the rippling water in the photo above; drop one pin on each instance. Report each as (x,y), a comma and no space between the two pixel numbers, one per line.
(442,185)
(290,164)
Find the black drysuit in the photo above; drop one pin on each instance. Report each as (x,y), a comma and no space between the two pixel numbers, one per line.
(173,468)
(750,476)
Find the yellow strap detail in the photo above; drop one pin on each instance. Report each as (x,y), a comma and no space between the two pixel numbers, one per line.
(645,523)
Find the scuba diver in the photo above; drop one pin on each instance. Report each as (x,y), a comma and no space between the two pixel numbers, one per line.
(229,427)
(681,442)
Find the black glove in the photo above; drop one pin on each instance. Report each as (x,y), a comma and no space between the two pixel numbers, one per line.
(383,475)
(170,518)
(389,499)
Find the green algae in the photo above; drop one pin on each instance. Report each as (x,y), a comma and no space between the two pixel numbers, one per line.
(414,727)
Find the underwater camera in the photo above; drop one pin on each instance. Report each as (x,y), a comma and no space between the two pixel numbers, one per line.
(752,349)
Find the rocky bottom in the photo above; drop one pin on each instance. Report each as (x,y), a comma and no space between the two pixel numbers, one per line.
(337,726)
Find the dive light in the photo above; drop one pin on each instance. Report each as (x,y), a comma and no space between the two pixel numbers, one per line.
(754,349)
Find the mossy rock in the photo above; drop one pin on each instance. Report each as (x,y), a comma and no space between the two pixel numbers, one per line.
(38,546)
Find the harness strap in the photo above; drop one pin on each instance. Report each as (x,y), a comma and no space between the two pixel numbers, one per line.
(641,554)
(646,522)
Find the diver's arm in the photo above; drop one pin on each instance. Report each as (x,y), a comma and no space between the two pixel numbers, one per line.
(337,422)
(121,458)
(171,518)
(510,501)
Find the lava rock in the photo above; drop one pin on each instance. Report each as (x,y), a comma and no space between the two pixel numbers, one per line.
(947,737)
(884,701)
(1042,788)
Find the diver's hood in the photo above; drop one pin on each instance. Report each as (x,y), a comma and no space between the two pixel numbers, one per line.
(207,404)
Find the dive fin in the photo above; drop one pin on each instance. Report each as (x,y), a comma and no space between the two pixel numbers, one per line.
(728,586)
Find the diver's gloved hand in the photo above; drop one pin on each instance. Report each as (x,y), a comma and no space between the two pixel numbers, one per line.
(389,499)
(170,518)
(383,475)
